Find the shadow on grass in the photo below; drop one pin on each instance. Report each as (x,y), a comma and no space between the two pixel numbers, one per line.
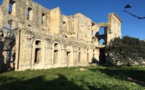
(132,75)
(134,72)
(38,83)
(61,82)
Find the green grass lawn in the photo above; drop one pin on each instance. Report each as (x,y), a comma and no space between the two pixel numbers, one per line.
(94,78)
(136,72)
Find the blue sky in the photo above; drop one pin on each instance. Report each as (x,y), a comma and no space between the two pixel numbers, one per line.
(98,10)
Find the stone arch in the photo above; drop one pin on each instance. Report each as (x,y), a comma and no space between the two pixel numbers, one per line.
(57,41)
(102,33)
(13,18)
(56,53)
(38,54)
(70,44)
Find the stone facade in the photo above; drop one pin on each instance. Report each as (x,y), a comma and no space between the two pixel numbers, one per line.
(33,37)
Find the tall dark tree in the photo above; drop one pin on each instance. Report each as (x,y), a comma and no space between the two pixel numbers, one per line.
(126,51)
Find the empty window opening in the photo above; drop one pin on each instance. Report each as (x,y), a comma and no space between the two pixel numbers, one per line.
(11,7)
(38,42)
(37,55)
(29,14)
(93,23)
(64,22)
(101,31)
(65,36)
(9,26)
(29,25)
(92,32)
(101,41)
(43,18)
(56,45)
(55,56)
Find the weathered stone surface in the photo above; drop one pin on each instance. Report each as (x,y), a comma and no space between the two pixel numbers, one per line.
(39,38)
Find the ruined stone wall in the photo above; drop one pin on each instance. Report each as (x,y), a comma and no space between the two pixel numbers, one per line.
(48,39)
(66,56)
(114,26)
(55,20)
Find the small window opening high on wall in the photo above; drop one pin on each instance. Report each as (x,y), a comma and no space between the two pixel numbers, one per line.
(92,33)
(11,8)
(43,18)
(29,14)
(9,26)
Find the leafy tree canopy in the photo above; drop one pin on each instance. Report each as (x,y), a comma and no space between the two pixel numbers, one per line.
(126,51)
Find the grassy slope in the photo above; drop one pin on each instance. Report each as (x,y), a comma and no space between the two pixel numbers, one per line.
(95,78)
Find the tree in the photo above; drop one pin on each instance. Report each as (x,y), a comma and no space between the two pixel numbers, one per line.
(126,51)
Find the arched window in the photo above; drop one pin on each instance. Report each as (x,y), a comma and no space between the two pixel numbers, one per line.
(38,51)
(56,53)
(37,42)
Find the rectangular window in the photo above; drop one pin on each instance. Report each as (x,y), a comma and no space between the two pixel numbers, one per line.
(29,14)
(37,55)
(12,7)
(92,33)
(43,18)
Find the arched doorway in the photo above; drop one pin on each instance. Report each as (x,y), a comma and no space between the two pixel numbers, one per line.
(38,51)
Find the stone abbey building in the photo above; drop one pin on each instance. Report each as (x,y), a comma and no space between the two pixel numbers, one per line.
(33,37)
